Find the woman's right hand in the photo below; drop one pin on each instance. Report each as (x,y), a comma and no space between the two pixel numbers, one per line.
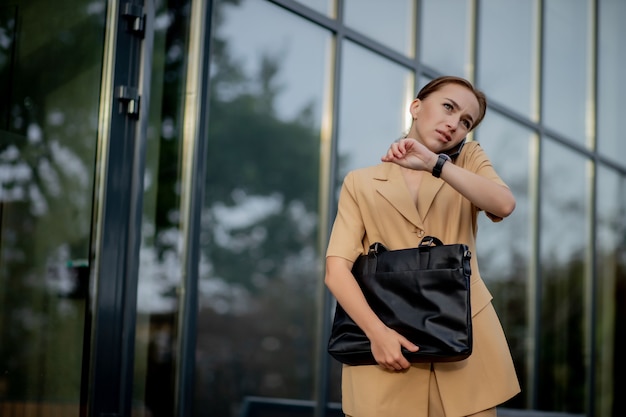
(386,347)
(410,153)
(385,342)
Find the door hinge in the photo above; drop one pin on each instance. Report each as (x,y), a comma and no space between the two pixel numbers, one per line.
(136,18)
(129,99)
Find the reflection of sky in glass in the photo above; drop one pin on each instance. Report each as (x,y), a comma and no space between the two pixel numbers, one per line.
(508,146)
(375,97)
(302,76)
(445,39)
(365,16)
(564,203)
(507,53)
(611,85)
(566,67)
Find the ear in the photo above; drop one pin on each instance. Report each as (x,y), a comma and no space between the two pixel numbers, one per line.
(415,108)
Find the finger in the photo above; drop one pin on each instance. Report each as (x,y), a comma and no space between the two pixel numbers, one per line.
(399,149)
(393,367)
(392,362)
(388,157)
(404,363)
(400,362)
(391,155)
(409,346)
(387,366)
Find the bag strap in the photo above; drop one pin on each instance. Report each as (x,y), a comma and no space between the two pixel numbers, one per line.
(376,248)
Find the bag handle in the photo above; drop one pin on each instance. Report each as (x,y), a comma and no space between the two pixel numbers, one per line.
(377,247)
(430,241)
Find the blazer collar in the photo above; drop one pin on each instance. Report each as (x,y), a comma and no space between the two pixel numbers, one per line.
(389,182)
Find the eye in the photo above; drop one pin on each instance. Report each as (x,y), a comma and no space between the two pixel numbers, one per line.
(448,106)
(466,123)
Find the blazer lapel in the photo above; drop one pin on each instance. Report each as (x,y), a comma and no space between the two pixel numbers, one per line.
(392,187)
(429,188)
(390,184)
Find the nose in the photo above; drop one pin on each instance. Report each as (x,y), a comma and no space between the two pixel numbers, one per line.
(453,122)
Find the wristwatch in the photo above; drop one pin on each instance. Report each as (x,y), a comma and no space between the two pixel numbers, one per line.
(442,158)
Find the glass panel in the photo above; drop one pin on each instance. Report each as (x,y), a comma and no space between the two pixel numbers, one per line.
(261,269)
(566,76)
(611,292)
(50,68)
(396,30)
(507,52)
(327,7)
(160,258)
(611,83)
(445,36)
(372,113)
(504,249)
(565,245)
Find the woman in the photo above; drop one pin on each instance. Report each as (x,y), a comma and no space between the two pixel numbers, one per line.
(429,183)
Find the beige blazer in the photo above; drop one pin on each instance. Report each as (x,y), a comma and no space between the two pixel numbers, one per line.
(375,206)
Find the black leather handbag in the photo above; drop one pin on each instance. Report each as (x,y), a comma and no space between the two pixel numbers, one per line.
(423,293)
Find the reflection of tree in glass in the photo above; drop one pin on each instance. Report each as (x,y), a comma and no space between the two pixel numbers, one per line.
(562,379)
(259,267)
(259,236)
(48,137)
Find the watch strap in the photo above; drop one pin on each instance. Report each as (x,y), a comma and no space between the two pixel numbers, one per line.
(442,158)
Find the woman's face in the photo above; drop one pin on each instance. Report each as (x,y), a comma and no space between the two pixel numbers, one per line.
(444,117)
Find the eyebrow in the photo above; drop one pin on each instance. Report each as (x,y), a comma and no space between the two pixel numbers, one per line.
(457,107)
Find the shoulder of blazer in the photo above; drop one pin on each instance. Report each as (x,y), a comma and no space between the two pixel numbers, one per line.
(383,172)
(469,149)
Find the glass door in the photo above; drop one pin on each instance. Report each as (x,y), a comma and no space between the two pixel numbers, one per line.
(50,71)
(71,163)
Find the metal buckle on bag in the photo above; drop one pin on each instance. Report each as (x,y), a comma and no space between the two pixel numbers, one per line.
(430,241)
(376,248)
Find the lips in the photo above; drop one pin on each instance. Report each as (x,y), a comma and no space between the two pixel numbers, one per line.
(444,135)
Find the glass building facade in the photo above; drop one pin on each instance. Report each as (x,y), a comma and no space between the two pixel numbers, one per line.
(169,173)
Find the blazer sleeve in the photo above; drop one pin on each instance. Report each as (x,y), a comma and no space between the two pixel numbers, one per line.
(477,161)
(348,230)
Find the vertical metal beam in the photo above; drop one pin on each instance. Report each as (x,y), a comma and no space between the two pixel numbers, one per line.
(194,149)
(117,219)
(475,9)
(593,266)
(536,291)
(417,51)
(473,43)
(329,211)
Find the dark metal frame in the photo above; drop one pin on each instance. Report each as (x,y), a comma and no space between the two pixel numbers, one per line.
(188,321)
(118,208)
